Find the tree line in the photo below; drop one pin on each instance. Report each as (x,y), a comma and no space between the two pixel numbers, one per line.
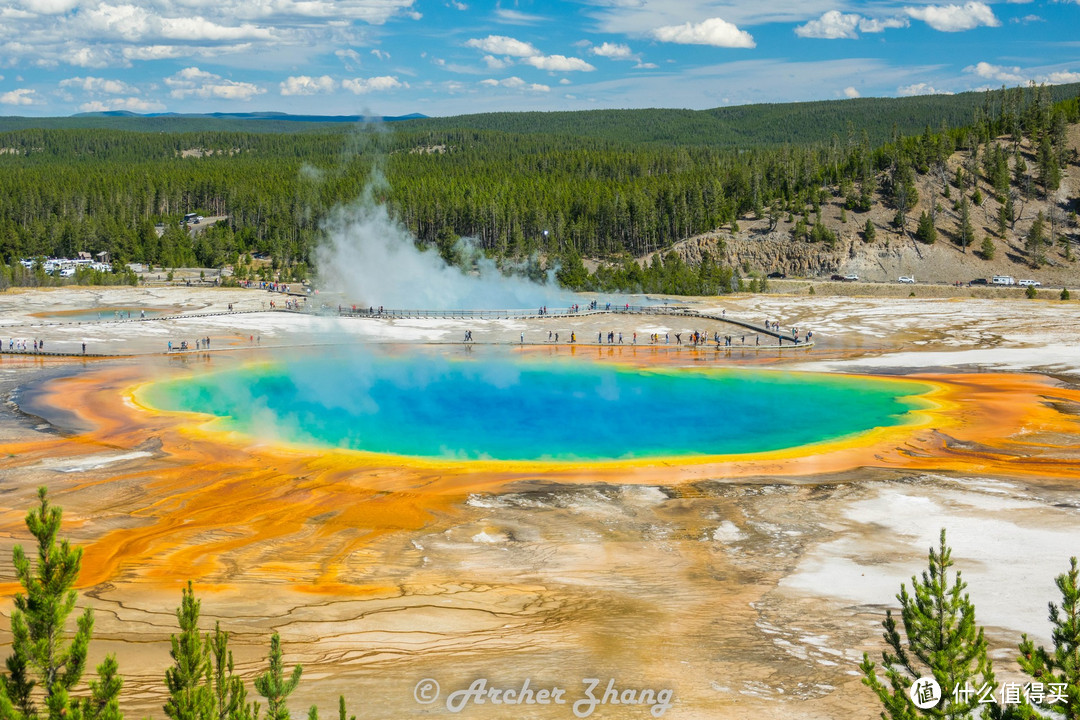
(519,193)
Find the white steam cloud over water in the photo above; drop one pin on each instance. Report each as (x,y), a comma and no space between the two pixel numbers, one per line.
(373,260)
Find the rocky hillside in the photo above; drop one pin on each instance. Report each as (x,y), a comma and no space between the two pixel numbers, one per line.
(757,249)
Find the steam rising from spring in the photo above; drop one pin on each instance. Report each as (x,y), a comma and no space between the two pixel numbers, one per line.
(373,260)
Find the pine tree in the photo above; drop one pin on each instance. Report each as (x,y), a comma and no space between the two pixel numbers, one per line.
(900,221)
(188,679)
(1049,170)
(925,231)
(1062,664)
(40,657)
(272,684)
(965,233)
(230,695)
(38,622)
(987,249)
(104,700)
(342,714)
(1035,239)
(869,231)
(1020,177)
(940,640)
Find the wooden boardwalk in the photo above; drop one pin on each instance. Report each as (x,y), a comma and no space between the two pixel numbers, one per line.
(402,314)
(678,311)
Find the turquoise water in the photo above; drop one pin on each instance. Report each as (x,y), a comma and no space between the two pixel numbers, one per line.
(101,314)
(506,409)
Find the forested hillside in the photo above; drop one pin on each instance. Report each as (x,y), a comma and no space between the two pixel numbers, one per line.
(562,197)
(765,125)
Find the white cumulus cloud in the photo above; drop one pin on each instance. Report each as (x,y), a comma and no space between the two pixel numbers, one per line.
(850,92)
(89,56)
(714,31)
(515,83)
(558,63)
(835,25)
(613,51)
(502,45)
(920,89)
(132,104)
(98,85)
(306,85)
(48,7)
(359,86)
(830,26)
(198,29)
(193,82)
(955,18)
(1019,76)
(22,96)
(996,72)
(876,25)
(1062,78)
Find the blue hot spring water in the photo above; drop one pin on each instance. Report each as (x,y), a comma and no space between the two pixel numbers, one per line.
(502,408)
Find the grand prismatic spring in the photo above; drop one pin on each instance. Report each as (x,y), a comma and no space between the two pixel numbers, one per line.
(418,404)
(725,524)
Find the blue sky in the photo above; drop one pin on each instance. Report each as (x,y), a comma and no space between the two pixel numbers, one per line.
(448,57)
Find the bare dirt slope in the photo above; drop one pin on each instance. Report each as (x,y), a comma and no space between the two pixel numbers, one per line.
(757,249)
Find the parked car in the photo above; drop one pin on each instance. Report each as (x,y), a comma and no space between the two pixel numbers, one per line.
(1026,283)
(979,281)
(851,277)
(837,277)
(777,274)
(907,279)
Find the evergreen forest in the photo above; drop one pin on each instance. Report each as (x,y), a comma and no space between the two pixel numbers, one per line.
(605,185)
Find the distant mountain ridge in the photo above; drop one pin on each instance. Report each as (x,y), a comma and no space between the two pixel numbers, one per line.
(256,116)
(742,126)
(746,126)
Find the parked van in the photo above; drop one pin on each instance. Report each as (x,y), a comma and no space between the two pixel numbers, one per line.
(1032,283)
(1003,280)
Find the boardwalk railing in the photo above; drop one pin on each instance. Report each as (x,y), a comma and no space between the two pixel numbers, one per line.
(460,314)
(624,309)
(506,314)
